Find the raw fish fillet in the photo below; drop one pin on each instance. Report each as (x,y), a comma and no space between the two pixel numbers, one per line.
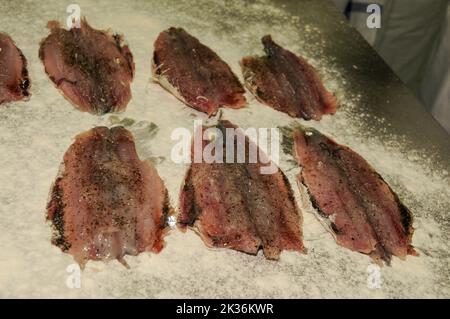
(287,83)
(92,68)
(14,80)
(107,203)
(361,209)
(194,73)
(233,205)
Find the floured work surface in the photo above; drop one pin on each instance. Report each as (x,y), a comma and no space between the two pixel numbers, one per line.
(378,118)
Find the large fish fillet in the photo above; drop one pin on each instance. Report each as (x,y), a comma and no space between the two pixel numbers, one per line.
(92,68)
(14,80)
(194,73)
(287,83)
(363,212)
(235,206)
(106,203)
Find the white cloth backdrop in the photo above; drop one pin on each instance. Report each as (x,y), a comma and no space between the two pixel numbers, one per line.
(414,39)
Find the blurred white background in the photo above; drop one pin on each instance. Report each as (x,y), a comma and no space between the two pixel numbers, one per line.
(414,39)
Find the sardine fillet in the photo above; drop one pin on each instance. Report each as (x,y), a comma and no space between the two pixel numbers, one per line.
(363,211)
(14,80)
(194,73)
(106,203)
(92,68)
(233,205)
(287,83)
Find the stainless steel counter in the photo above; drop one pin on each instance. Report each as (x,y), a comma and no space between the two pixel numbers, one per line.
(384,95)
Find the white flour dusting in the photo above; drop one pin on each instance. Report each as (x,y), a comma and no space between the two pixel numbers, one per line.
(35,135)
